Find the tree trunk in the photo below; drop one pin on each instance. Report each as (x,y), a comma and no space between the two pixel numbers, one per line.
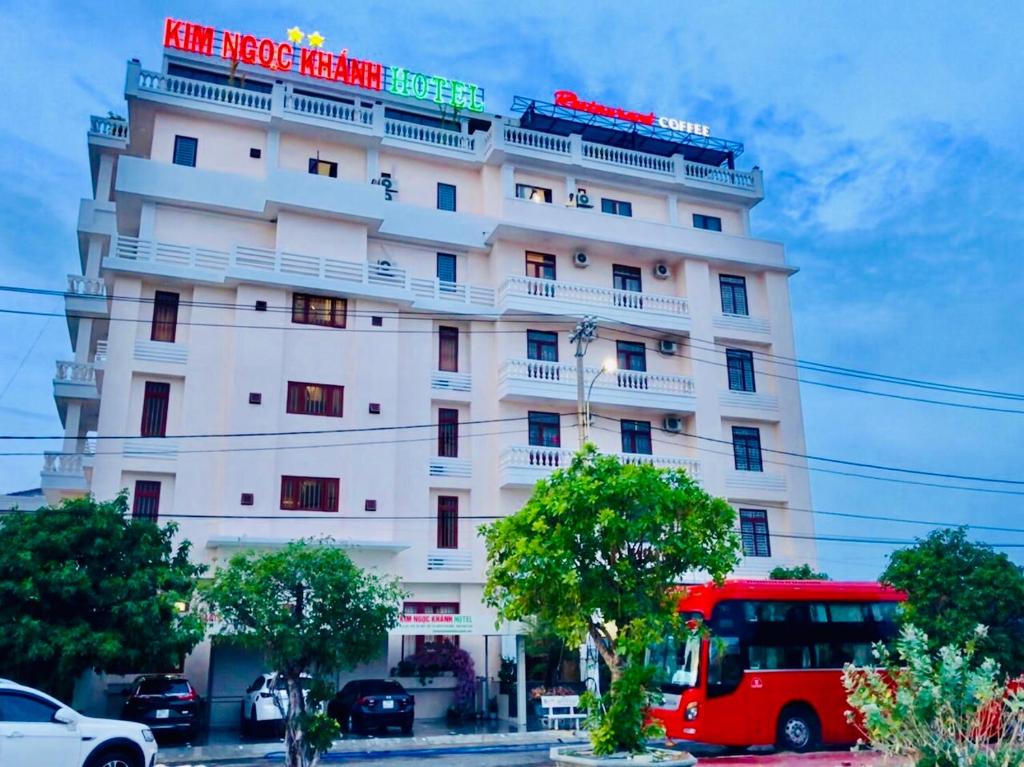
(295,752)
(611,657)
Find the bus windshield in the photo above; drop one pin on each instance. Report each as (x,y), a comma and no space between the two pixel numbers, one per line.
(676,661)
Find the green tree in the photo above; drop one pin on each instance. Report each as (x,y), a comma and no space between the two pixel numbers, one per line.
(83,586)
(598,549)
(309,609)
(797,573)
(953,585)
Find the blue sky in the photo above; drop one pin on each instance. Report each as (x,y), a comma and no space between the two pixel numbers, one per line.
(889,135)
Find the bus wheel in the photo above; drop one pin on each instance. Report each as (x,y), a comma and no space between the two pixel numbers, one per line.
(799,729)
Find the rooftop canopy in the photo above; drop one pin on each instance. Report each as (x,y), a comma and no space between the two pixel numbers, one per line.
(546,117)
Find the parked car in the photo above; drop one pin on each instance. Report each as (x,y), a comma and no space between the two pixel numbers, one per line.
(36,729)
(363,704)
(168,703)
(264,702)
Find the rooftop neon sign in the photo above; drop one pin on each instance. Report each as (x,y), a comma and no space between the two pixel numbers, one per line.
(570,100)
(314,62)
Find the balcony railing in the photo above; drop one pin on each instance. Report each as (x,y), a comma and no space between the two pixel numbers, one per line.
(632,381)
(60,463)
(327,109)
(186,87)
(629,158)
(557,292)
(524,465)
(443,380)
(109,127)
(714,174)
(424,134)
(75,372)
(449,559)
(86,286)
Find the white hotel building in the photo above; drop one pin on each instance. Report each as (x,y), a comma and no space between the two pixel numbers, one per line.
(273,253)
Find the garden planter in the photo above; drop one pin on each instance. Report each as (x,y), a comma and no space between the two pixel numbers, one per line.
(584,755)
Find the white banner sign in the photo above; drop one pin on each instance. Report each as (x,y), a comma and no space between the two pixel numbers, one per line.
(433,624)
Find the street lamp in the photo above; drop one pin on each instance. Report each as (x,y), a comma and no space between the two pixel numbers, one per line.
(610,365)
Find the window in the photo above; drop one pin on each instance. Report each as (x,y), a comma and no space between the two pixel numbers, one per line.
(445,196)
(740,366)
(631,355)
(540,265)
(154,409)
(626,278)
(146,502)
(185,151)
(318,310)
(746,448)
(320,167)
(446,271)
(616,207)
(542,345)
(734,294)
(309,493)
(17,707)
(545,429)
(165,316)
(431,608)
(315,399)
(754,534)
(636,437)
(448,349)
(448,433)
(712,223)
(447,522)
(533,193)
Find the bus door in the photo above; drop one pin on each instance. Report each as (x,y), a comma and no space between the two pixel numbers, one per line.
(724,719)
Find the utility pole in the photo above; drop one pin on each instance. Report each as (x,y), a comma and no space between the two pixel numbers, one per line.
(585,332)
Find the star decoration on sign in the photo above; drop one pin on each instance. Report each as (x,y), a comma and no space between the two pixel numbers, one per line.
(316,40)
(295,35)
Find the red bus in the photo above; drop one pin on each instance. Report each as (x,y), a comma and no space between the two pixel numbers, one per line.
(770,670)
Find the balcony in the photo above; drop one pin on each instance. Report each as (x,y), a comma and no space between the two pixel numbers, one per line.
(536,379)
(86,297)
(75,381)
(63,473)
(522,466)
(568,299)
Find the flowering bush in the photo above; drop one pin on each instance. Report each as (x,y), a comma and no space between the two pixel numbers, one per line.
(942,711)
(537,692)
(446,656)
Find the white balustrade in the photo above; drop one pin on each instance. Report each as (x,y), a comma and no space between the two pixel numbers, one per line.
(328,109)
(227,95)
(714,174)
(594,296)
(547,459)
(86,286)
(628,158)
(75,372)
(60,463)
(542,142)
(426,134)
(631,380)
(109,127)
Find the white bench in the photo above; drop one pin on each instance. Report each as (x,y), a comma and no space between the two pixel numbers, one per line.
(556,709)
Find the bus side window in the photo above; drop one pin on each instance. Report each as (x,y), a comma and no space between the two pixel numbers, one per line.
(725,665)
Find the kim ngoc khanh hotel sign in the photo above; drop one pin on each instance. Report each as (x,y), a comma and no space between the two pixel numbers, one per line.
(314,62)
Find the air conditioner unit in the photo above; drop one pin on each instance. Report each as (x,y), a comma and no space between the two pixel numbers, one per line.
(673,423)
(384,266)
(661,271)
(582,198)
(581,260)
(665,346)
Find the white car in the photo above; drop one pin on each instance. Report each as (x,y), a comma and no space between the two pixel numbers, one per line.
(265,699)
(38,730)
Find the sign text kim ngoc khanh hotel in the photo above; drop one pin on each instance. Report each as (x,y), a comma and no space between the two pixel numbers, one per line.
(280,56)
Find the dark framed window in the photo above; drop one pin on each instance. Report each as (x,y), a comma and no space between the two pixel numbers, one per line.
(711,223)
(540,265)
(627,278)
(616,207)
(146,501)
(320,167)
(445,196)
(734,294)
(448,349)
(165,316)
(542,345)
(447,522)
(740,365)
(631,355)
(447,433)
(545,429)
(746,448)
(185,148)
(446,269)
(315,399)
(754,533)
(154,409)
(328,311)
(309,493)
(431,608)
(19,707)
(636,437)
(533,193)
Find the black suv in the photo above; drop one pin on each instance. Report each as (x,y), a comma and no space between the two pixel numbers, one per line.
(365,703)
(167,703)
